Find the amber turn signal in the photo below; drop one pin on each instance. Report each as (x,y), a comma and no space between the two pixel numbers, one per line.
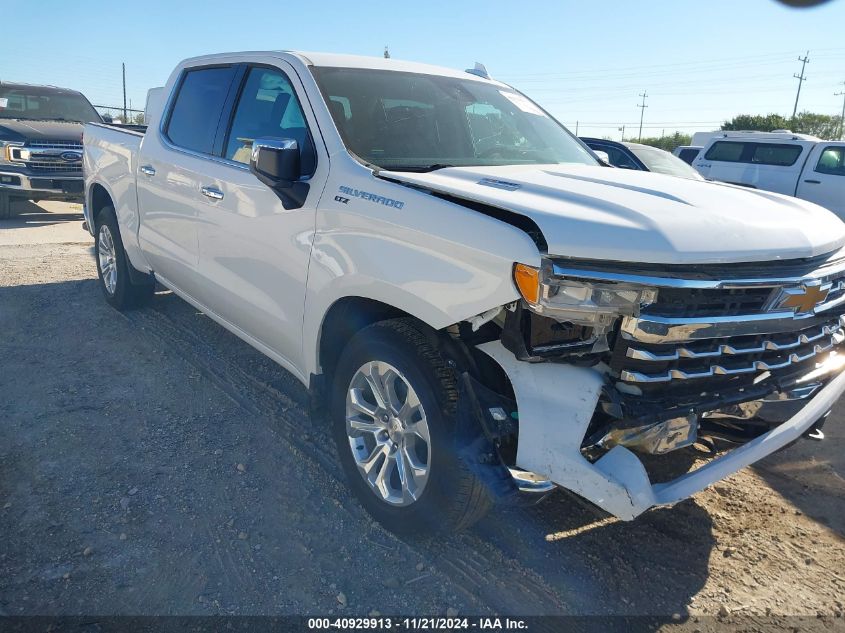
(527,280)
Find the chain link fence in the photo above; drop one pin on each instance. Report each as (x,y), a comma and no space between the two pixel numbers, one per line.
(118,113)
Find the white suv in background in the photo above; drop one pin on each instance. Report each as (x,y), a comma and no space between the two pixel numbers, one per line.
(792,164)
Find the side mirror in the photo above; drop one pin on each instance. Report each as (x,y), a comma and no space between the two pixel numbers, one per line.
(107,118)
(276,163)
(602,155)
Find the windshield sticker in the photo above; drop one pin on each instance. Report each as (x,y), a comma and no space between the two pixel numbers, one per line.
(522,103)
(4,102)
(372,197)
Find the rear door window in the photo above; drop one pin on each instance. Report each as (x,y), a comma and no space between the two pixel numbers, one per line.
(195,115)
(772,154)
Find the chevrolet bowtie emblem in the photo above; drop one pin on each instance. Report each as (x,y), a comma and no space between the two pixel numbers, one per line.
(804,298)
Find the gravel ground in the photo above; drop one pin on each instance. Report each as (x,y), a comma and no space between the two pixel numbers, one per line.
(152,463)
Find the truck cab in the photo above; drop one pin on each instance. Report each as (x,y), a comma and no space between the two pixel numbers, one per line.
(41,143)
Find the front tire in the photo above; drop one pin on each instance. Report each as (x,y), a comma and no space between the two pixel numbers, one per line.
(113,265)
(393,402)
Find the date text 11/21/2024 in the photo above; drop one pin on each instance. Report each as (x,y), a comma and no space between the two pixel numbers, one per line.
(418,624)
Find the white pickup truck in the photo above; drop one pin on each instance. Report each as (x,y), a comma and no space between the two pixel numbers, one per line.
(792,164)
(480,309)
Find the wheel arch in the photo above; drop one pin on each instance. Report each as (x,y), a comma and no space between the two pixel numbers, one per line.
(98,198)
(344,318)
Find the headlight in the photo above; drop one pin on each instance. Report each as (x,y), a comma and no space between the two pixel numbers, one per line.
(578,300)
(6,148)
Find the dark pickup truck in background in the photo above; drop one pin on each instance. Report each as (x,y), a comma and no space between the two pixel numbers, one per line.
(41,143)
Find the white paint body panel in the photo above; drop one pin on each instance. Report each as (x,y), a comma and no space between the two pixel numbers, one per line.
(633,216)
(270,275)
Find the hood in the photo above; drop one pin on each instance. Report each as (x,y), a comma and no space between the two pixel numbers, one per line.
(23,130)
(610,214)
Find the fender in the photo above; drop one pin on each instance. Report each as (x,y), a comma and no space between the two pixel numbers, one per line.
(432,258)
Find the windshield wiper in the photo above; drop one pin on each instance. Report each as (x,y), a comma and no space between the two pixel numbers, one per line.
(419,168)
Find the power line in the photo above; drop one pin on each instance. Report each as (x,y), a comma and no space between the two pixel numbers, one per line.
(712,62)
(676,68)
(801,79)
(642,107)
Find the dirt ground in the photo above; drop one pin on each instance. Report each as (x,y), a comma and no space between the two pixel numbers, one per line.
(152,463)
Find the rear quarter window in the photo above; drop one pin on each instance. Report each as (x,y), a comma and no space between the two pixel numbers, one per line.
(196,112)
(725,151)
(688,155)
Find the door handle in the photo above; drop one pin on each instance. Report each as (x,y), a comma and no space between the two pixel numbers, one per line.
(149,170)
(814,182)
(211,192)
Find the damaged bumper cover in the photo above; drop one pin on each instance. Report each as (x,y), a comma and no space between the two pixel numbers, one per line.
(550,442)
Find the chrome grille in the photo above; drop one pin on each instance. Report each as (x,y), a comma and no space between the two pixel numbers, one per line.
(689,340)
(63,145)
(45,156)
(57,167)
(656,363)
(702,302)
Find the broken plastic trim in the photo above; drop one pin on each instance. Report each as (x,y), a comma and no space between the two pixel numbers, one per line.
(516,338)
(476,435)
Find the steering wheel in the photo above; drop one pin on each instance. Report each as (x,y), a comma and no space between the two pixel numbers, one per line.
(501,150)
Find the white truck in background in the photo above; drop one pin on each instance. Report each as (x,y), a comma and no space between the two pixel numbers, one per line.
(479,308)
(796,165)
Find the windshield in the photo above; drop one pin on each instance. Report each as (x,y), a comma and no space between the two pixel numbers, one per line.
(416,122)
(33,103)
(662,162)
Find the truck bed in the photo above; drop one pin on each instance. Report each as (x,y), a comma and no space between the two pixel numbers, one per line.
(111,160)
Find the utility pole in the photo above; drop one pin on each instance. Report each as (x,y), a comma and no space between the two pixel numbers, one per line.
(841,118)
(642,107)
(622,129)
(124,92)
(576,128)
(801,79)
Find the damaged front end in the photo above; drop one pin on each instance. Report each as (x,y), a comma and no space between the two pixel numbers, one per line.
(696,356)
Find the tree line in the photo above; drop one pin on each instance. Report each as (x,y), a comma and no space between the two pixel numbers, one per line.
(824,126)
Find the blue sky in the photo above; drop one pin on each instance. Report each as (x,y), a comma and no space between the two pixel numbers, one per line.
(701,61)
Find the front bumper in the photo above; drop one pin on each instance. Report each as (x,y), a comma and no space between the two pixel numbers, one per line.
(52,186)
(556,403)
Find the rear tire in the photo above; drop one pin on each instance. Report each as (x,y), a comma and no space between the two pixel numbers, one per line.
(113,265)
(426,488)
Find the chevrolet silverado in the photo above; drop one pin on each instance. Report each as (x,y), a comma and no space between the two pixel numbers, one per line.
(480,309)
